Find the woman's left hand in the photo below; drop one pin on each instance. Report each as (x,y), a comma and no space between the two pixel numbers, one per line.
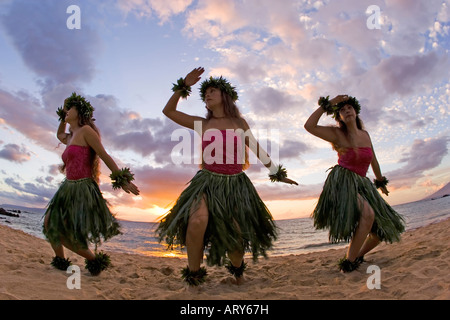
(130,187)
(384,190)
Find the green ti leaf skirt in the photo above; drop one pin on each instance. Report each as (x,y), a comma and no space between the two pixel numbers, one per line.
(338,208)
(79,214)
(238,218)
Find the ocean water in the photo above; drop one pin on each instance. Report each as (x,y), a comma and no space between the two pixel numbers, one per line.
(296,236)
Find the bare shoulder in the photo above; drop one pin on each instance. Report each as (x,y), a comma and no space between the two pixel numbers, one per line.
(89,135)
(243,124)
(367,133)
(87,130)
(367,136)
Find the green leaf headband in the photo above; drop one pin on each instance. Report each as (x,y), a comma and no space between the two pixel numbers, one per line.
(220,83)
(85,110)
(334,109)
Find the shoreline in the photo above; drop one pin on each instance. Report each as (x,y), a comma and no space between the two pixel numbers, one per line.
(415,268)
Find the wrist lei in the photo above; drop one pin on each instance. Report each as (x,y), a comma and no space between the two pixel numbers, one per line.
(380,183)
(181,86)
(61,114)
(326,105)
(279,175)
(121,177)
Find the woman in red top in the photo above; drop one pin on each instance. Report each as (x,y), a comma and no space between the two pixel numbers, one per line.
(78,214)
(220,210)
(350,205)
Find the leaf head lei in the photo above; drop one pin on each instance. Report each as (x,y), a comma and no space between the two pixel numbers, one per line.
(84,107)
(220,83)
(334,109)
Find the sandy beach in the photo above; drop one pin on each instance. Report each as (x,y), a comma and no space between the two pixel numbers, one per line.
(416,268)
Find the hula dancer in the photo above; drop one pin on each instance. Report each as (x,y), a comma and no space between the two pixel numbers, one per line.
(350,205)
(220,210)
(78,214)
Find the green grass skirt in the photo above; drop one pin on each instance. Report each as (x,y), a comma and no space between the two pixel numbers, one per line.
(238,218)
(339,211)
(79,214)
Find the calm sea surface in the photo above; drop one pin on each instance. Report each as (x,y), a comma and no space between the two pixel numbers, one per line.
(296,236)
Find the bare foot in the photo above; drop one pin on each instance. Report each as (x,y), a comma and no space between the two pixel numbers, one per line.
(240,280)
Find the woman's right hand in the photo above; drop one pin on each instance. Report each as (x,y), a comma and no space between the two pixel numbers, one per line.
(338,99)
(194,76)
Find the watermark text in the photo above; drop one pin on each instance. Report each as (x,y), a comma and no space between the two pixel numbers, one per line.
(373,21)
(374,280)
(74,20)
(74,281)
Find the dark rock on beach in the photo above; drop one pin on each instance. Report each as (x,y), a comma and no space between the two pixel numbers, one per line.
(9,214)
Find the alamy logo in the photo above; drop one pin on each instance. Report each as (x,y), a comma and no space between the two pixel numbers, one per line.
(374,280)
(74,20)
(74,281)
(373,21)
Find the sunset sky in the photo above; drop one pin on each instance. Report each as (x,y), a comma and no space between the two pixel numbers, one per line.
(281,55)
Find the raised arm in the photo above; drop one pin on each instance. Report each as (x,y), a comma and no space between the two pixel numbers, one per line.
(330,134)
(61,134)
(170,110)
(326,133)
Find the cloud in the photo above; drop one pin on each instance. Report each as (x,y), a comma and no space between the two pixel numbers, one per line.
(408,74)
(163,9)
(293,149)
(24,113)
(425,155)
(284,192)
(15,153)
(23,199)
(127,130)
(409,24)
(29,192)
(268,100)
(38,31)
(290,46)
(214,18)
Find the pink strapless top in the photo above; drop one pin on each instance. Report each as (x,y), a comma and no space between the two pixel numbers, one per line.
(78,162)
(357,162)
(223,151)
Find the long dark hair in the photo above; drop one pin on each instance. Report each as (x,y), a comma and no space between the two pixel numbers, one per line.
(229,107)
(341,124)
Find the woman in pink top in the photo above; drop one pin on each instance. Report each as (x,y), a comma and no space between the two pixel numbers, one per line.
(350,205)
(78,214)
(220,210)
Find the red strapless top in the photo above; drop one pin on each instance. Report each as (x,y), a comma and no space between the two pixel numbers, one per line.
(358,162)
(222,151)
(78,162)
